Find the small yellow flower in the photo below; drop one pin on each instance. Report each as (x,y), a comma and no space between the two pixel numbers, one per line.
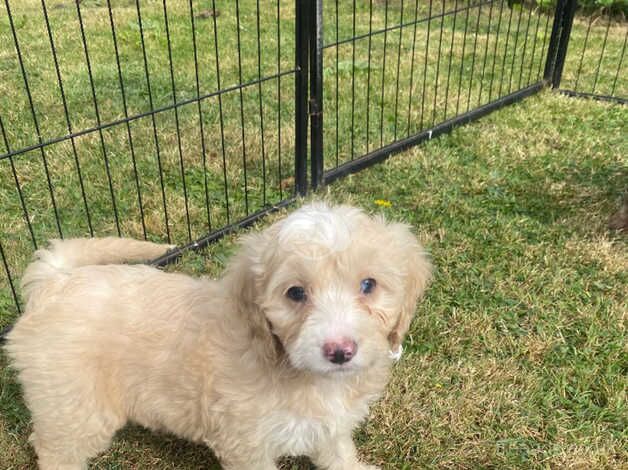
(383,203)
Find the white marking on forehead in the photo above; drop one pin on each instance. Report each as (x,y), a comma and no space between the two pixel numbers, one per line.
(313,227)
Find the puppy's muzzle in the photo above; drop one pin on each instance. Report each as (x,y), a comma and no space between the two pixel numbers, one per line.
(340,351)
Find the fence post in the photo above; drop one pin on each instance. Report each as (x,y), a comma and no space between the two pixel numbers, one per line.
(316,93)
(559,40)
(301,95)
(561,54)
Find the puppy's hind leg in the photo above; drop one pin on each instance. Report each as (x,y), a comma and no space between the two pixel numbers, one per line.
(66,442)
(53,463)
(69,452)
(244,462)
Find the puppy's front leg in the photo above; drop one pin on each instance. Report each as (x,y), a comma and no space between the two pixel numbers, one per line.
(339,453)
(241,464)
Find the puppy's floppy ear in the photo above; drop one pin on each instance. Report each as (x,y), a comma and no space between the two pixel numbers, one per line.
(246,276)
(417,271)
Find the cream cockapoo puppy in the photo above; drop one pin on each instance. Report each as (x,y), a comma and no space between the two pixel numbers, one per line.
(282,356)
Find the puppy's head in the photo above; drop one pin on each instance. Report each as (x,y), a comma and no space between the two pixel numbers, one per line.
(331,288)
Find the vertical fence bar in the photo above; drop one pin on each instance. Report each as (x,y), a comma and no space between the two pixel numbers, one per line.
(584,50)
(381,110)
(352,130)
(398,68)
(368,79)
(337,102)
(514,50)
(278,99)
(475,46)
(416,17)
(222,120)
(103,148)
(18,186)
(545,30)
(261,103)
(525,45)
(301,96)
(153,120)
(533,55)
(495,49)
(451,58)
(440,43)
(34,117)
(599,64)
(464,45)
(619,64)
(316,93)
(503,68)
(177,122)
(242,121)
(200,117)
(53,50)
(427,49)
(484,62)
(126,115)
(10,279)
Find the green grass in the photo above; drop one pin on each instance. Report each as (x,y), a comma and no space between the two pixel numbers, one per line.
(517,357)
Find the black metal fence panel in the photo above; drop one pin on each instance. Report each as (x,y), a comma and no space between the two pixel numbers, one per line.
(166,120)
(595,65)
(398,72)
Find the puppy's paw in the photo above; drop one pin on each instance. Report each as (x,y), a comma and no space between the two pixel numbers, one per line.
(350,466)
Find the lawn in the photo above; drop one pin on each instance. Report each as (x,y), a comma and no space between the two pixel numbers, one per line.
(517,357)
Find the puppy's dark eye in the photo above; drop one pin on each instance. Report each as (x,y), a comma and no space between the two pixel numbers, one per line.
(296,294)
(367,285)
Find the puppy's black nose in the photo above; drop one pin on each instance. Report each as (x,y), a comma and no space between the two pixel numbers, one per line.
(340,357)
(339,352)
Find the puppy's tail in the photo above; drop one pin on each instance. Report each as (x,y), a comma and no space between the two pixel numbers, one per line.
(63,255)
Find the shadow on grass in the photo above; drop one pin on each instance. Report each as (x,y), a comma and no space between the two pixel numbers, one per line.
(583,193)
(137,447)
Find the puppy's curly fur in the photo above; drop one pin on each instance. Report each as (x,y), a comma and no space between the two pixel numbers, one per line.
(282,356)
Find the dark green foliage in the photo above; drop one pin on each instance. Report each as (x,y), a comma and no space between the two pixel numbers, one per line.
(615,7)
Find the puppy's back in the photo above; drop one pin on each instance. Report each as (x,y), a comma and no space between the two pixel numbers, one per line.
(63,255)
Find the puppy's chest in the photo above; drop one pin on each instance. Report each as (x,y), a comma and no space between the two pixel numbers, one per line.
(298,431)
